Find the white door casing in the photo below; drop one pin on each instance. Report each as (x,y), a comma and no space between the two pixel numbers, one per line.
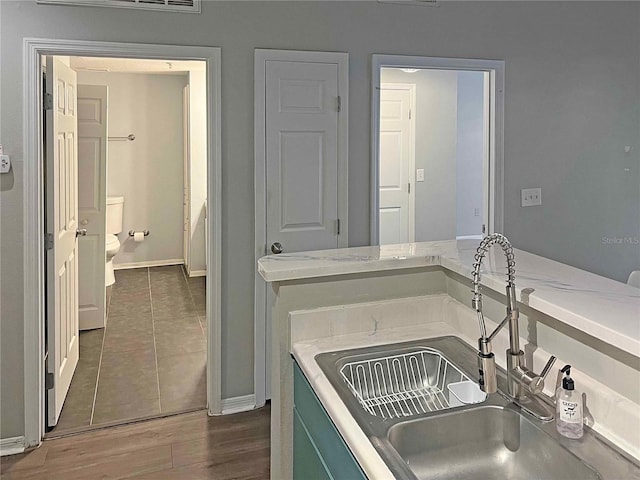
(61,224)
(396,163)
(92,199)
(35,205)
(493,165)
(301,178)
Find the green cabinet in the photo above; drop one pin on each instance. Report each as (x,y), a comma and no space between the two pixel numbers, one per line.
(319,452)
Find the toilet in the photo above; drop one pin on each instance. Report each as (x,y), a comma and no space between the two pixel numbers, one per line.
(115,207)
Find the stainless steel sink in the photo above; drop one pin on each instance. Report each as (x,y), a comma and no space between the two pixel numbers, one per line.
(484,443)
(492,440)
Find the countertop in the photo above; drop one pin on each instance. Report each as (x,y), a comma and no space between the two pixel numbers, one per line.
(598,306)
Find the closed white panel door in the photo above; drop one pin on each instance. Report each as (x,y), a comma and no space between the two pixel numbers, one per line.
(61,223)
(302,155)
(301,144)
(395,167)
(92,198)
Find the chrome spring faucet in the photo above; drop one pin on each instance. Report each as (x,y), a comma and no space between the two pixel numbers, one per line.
(519,376)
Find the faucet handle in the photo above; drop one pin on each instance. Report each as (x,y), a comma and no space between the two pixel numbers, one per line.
(532,381)
(537,384)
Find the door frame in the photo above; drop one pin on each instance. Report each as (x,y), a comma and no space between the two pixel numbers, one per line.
(494,164)
(411,88)
(260,188)
(33,199)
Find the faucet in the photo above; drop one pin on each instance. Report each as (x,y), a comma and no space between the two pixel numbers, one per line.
(523,384)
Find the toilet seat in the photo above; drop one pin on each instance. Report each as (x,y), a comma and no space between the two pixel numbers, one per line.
(111,243)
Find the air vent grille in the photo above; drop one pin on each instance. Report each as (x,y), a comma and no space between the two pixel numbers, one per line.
(186,6)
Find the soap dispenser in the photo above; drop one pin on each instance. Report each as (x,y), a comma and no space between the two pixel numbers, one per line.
(569,421)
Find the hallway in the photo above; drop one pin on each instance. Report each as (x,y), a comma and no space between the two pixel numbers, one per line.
(150,360)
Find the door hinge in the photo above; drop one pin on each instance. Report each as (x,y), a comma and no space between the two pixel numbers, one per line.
(48,381)
(48,241)
(338,226)
(409,114)
(409,187)
(339,103)
(47,101)
(484,228)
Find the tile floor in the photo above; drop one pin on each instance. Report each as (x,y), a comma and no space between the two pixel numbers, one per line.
(149,360)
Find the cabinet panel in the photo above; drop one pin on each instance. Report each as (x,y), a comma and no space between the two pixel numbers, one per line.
(307,463)
(330,446)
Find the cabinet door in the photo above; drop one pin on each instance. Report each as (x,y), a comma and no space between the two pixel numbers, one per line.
(329,444)
(307,464)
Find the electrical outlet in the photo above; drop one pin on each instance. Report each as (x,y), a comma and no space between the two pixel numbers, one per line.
(5,164)
(420,175)
(476,212)
(531,197)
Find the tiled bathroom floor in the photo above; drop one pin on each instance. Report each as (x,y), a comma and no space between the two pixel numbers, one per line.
(151,357)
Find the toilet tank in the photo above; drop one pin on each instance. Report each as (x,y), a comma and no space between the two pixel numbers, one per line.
(115,207)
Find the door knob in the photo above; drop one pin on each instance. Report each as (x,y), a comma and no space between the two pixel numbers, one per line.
(276,247)
(81,232)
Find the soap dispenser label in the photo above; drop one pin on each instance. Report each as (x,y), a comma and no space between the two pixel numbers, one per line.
(569,412)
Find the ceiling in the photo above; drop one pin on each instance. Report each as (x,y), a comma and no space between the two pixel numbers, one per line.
(134,65)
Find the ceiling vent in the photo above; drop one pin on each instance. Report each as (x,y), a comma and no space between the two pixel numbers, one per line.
(186,6)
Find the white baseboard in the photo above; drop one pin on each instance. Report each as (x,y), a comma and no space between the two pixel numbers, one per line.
(469,237)
(12,446)
(152,263)
(238,404)
(198,273)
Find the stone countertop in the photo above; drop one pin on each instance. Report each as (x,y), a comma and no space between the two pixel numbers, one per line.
(598,306)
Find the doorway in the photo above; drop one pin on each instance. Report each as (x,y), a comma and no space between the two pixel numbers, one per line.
(35,50)
(436,148)
(142,317)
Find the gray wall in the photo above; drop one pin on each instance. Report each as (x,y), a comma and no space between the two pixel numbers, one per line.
(469,148)
(148,172)
(572,91)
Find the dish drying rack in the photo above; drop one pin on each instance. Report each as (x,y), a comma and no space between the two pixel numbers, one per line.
(402,385)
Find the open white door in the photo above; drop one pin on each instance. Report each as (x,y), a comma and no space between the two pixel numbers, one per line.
(186,176)
(61,225)
(397,147)
(92,203)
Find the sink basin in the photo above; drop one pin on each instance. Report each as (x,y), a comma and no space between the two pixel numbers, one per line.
(484,443)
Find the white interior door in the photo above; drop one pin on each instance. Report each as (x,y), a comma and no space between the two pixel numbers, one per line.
(61,224)
(92,203)
(396,164)
(301,142)
(186,175)
(302,155)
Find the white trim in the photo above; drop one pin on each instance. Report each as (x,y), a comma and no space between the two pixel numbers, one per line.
(197,273)
(11,446)
(150,263)
(411,88)
(496,70)
(33,203)
(136,4)
(260,287)
(238,404)
(469,237)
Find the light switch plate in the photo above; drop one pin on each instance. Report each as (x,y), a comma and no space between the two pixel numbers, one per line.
(420,175)
(5,164)
(531,197)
